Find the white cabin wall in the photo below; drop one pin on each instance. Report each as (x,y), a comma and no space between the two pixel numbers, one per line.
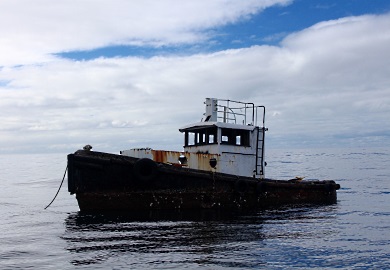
(243,165)
(231,159)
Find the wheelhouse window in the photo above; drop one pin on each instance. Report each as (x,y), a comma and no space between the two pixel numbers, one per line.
(201,136)
(235,137)
(206,136)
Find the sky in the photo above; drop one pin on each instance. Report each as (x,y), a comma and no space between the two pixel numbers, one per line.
(122,74)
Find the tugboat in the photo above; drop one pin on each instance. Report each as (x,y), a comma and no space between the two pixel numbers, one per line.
(222,167)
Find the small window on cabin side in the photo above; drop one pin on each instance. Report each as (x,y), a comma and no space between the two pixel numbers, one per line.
(211,138)
(190,139)
(225,139)
(211,134)
(238,140)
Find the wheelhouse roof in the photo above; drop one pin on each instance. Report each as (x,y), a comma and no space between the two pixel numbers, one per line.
(202,125)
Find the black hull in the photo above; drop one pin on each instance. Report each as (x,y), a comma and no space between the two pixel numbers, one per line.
(104,182)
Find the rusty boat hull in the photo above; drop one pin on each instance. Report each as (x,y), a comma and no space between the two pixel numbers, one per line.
(105,182)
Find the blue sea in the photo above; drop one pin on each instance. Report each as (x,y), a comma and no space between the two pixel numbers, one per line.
(352,234)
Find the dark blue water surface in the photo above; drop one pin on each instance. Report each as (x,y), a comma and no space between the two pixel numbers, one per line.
(352,234)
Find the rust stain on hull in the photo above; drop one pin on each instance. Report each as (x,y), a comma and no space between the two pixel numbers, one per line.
(200,161)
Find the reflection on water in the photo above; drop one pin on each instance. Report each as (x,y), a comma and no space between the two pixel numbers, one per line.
(205,238)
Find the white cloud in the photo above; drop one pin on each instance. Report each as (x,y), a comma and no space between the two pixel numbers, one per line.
(328,84)
(31,31)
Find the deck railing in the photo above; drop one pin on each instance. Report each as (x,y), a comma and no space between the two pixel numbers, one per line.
(237,112)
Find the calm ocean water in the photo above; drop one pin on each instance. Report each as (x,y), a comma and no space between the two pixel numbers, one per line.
(352,234)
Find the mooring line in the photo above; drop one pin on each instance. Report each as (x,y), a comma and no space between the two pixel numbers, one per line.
(63,178)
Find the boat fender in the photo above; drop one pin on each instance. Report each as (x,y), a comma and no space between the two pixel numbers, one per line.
(240,186)
(261,187)
(145,169)
(329,187)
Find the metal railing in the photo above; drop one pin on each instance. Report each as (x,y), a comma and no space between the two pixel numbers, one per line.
(237,112)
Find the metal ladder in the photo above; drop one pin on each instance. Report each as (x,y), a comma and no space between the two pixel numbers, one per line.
(260,152)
